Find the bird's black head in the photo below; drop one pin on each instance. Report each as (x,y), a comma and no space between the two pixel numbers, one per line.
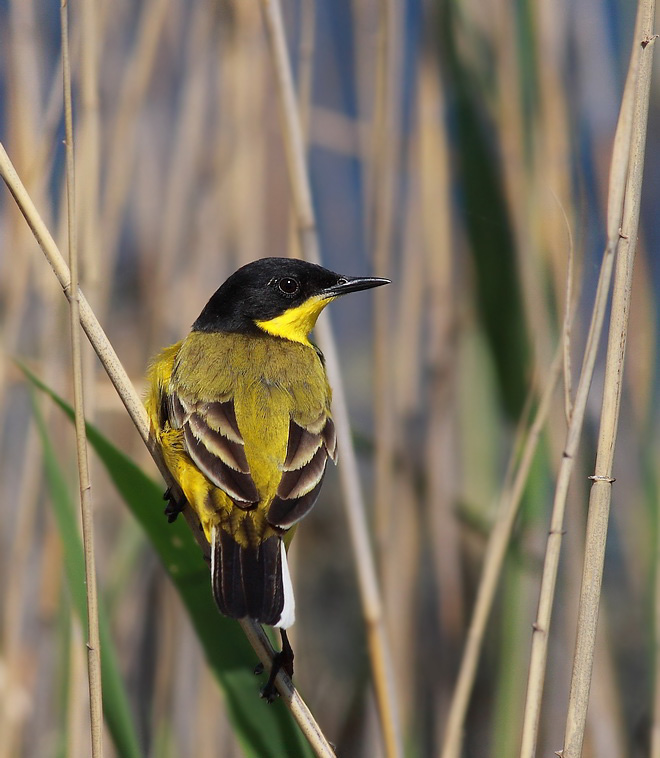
(280,296)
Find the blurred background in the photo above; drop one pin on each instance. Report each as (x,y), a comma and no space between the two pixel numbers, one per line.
(459,147)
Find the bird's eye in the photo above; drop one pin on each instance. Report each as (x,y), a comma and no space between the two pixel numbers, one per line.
(288,285)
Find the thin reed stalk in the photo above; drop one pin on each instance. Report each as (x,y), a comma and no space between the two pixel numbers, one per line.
(605,735)
(541,628)
(519,180)
(138,414)
(536,675)
(441,308)
(405,537)
(567,328)
(72,293)
(122,139)
(304,96)
(381,661)
(27,507)
(76,721)
(89,149)
(493,563)
(186,153)
(655,724)
(304,93)
(383,192)
(22,64)
(601,489)
(88,171)
(306,63)
(552,145)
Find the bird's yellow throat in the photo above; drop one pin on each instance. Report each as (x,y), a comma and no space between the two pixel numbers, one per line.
(296,323)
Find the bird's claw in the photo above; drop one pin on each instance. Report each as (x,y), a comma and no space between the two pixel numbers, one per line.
(172,509)
(282,660)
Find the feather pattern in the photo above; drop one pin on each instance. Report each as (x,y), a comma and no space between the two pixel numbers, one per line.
(238,485)
(231,453)
(308,451)
(222,417)
(212,440)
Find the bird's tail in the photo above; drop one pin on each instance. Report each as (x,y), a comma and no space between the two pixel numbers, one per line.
(252,582)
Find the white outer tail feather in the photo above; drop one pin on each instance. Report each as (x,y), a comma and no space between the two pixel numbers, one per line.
(288,615)
(214,530)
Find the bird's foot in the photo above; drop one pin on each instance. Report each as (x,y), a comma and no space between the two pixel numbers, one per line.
(282,660)
(173,508)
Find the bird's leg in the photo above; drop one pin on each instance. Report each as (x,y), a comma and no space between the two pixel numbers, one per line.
(287,654)
(282,660)
(173,507)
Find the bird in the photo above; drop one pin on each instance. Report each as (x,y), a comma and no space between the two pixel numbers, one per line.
(241,409)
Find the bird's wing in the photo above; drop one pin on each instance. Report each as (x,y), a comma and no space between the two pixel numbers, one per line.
(213,441)
(308,449)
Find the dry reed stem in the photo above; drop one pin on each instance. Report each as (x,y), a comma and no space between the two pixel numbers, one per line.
(541,627)
(441,307)
(655,724)
(122,139)
(552,148)
(93,639)
(401,577)
(407,337)
(383,191)
(601,490)
(567,325)
(24,537)
(306,63)
(185,154)
(22,119)
(138,414)
(24,70)
(356,513)
(88,169)
(493,562)
(520,191)
(536,676)
(605,735)
(304,95)
(390,488)
(76,722)
(119,139)
(244,146)
(292,134)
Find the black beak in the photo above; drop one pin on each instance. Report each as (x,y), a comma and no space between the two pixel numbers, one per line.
(347,284)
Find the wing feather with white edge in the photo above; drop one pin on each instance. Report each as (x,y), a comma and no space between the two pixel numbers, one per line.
(214,443)
(308,450)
